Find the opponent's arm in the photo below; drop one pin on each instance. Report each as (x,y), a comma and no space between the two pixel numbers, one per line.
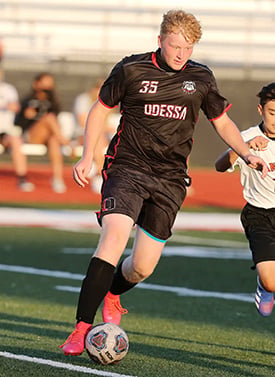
(229,132)
(227,159)
(93,129)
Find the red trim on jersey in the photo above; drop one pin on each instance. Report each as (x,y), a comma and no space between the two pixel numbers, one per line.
(154,60)
(113,157)
(224,111)
(183,68)
(104,104)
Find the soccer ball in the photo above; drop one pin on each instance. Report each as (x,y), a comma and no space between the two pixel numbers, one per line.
(107,343)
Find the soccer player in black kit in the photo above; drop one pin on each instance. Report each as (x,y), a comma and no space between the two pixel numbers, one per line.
(145,171)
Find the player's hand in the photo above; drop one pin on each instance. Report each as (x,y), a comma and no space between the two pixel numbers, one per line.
(258,143)
(257,163)
(80,172)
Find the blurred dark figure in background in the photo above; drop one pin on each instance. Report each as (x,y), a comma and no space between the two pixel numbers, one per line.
(38,121)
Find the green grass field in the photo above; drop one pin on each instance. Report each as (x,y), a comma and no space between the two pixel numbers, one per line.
(171,335)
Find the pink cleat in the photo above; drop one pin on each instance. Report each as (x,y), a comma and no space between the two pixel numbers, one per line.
(112,309)
(74,344)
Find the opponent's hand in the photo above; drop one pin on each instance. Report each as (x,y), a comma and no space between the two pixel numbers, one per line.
(257,163)
(258,143)
(81,171)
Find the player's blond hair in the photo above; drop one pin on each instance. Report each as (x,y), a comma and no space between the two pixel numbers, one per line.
(178,21)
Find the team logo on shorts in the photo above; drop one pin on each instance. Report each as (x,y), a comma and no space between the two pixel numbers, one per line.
(189,87)
(108,204)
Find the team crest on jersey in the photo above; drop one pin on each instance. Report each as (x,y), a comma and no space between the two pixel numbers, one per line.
(189,87)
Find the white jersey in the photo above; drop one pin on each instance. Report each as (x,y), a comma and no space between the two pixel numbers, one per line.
(257,191)
(8,94)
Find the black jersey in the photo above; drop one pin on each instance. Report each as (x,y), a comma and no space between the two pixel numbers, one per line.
(160,109)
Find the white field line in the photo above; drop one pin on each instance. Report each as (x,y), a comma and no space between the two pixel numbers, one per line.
(78,220)
(207,241)
(40,272)
(182,251)
(181,291)
(56,364)
(180,238)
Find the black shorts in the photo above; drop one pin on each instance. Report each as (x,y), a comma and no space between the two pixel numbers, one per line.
(152,202)
(259,226)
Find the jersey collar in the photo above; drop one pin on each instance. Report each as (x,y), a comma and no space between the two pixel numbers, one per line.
(160,63)
(261,126)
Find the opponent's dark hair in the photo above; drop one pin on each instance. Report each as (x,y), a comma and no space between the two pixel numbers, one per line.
(267,93)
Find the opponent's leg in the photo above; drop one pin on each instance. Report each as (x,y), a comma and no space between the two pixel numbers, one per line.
(264,296)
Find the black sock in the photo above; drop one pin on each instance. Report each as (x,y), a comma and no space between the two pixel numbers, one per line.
(120,284)
(94,288)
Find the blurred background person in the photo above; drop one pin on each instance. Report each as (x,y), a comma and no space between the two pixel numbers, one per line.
(1,49)
(81,107)
(9,106)
(38,120)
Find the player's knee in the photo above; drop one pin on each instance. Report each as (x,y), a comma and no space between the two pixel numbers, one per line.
(141,272)
(267,280)
(269,284)
(14,142)
(112,241)
(266,271)
(49,117)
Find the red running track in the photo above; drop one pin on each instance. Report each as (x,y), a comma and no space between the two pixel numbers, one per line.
(209,188)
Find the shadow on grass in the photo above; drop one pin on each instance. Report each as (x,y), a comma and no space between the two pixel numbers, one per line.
(31,325)
(207,360)
(210,344)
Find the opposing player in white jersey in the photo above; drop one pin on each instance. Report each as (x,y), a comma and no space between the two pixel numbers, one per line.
(258,215)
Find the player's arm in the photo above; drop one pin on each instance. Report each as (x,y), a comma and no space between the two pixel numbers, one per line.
(228,158)
(229,132)
(93,129)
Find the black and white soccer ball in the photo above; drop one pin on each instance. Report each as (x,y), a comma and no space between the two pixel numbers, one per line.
(107,343)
